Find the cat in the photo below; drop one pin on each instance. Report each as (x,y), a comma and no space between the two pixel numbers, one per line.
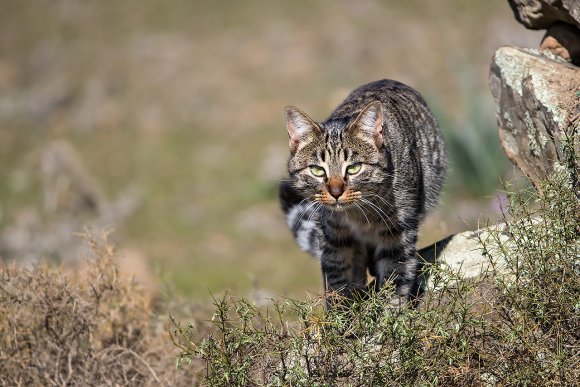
(360,183)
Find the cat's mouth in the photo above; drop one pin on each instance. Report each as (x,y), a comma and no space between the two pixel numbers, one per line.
(345,200)
(337,206)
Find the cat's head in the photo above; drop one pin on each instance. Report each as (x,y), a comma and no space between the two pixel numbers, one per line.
(340,162)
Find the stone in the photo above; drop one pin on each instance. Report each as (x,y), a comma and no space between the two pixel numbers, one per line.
(462,254)
(541,14)
(537,106)
(563,40)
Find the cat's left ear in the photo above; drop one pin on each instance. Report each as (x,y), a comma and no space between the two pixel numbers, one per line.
(370,122)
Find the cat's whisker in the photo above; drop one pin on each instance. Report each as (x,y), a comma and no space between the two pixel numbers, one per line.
(386,223)
(366,202)
(400,221)
(363,212)
(302,213)
(380,212)
(302,201)
(314,212)
(381,199)
(390,206)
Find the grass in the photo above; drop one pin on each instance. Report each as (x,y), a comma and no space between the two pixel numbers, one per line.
(516,326)
(182,102)
(476,159)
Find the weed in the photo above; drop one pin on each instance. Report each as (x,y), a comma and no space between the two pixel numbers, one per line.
(517,325)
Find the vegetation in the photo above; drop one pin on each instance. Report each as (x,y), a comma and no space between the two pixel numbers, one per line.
(91,328)
(476,158)
(171,112)
(517,325)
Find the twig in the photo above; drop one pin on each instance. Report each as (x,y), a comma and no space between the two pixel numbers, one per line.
(136,355)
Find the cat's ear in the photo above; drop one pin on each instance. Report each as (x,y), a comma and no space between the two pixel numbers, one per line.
(300,127)
(370,122)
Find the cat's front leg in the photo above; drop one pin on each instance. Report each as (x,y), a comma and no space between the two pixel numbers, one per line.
(398,262)
(343,265)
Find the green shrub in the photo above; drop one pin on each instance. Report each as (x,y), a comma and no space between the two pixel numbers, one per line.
(517,325)
(537,301)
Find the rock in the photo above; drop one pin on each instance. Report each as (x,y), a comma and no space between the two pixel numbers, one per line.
(462,254)
(540,14)
(563,40)
(537,105)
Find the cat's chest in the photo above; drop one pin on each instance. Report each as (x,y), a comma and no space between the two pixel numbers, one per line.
(372,233)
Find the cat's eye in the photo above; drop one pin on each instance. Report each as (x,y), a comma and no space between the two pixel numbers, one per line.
(353,169)
(317,170)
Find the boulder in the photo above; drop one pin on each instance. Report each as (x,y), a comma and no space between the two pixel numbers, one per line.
(462,255)
(537,96)
(538,107)
(541,14)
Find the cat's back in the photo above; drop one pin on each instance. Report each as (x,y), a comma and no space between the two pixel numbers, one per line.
(392,94)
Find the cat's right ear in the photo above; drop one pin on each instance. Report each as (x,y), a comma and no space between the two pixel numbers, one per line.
(300,127)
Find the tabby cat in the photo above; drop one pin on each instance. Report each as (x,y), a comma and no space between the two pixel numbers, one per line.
(360,183)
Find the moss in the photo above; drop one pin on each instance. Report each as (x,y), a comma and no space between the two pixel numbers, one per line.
(532,133)
(516,65)
(512,70)
(509,125)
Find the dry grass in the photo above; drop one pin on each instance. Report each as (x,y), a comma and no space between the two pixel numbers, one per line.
(92,328)
(518,327)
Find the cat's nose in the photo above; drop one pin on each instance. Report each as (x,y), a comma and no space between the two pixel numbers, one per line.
(335,187)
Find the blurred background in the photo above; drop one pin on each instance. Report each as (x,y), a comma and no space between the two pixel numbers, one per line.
(163,121)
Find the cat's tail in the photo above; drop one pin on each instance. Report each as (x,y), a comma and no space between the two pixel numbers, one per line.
(302,219)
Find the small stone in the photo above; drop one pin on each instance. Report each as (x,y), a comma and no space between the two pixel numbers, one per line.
(563,40)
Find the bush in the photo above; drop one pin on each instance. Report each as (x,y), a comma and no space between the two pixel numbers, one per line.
(94,328)
(537,300)
(518,325)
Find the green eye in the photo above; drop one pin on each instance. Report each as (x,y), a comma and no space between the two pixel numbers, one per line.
(353,169)
(317,171)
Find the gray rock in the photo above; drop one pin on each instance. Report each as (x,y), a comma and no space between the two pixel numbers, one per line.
(462,254)
(540,14)
(537,105)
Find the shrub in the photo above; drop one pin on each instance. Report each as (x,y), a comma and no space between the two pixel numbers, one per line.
(94,328)
(517,325)
(537,300)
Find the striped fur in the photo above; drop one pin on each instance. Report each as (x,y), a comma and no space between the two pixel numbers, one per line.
(366,221)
